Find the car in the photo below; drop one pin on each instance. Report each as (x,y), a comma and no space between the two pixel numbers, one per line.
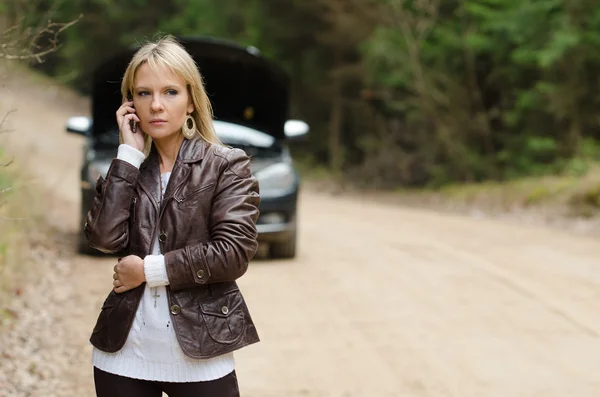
(250,96)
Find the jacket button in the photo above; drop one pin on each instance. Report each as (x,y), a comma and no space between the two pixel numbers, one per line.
(200,273)
(175,309)
(224,310)
(162,237)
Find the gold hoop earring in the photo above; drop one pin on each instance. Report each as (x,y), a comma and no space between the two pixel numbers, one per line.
(189,127)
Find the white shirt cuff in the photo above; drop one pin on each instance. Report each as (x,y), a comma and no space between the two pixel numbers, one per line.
(155,270)
(130,154)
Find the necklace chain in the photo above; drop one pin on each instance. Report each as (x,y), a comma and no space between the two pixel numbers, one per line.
(161,189)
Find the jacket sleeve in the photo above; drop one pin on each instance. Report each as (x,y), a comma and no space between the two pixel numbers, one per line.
(107,222)
(232,229)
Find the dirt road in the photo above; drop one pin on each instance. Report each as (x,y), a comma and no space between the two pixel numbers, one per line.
(381,301)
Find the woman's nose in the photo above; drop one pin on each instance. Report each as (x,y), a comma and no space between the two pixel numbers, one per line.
(156,104)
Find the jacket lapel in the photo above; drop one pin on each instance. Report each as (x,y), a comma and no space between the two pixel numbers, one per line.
(150,177)
(191,151)
(180,174)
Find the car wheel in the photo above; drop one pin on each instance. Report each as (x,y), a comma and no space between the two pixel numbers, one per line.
(283,250)
(84,248)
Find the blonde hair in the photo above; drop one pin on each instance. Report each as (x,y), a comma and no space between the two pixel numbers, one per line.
(167,51)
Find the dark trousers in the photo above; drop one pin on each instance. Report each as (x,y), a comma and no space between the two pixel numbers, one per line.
(111,385)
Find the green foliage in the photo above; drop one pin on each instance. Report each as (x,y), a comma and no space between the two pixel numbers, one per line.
(431,92)
(508,86)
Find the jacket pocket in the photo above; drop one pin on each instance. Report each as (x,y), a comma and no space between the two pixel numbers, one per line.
(192,196)
(109,304)
(224,317)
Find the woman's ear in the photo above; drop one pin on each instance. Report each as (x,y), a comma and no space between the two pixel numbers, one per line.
(190,107)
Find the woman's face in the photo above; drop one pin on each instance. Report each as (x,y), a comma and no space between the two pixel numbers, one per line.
(161,101)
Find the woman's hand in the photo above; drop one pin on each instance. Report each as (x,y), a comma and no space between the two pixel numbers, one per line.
(129,273)
(126,114)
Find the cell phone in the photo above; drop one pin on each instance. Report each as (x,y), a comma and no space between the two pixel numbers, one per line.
(132,124)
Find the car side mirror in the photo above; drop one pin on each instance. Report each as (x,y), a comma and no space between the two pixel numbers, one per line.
(295,129)
(80,125)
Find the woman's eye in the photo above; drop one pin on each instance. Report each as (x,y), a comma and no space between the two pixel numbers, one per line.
(171,92)
(143,93)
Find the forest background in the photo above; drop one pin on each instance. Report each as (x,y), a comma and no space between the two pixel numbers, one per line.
(398,93)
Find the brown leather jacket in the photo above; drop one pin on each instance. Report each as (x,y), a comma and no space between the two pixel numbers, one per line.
(207,232)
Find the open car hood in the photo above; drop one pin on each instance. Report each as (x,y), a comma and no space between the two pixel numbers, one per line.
(244,88)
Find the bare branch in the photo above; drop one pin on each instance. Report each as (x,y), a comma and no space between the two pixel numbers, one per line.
(2,130)
(24,46)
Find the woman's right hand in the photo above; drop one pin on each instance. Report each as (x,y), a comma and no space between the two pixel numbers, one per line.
(125,114)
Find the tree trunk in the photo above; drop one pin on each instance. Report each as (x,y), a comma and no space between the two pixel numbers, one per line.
(335,124)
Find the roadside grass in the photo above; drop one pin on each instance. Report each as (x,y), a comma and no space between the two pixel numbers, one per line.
(21,221)
(572,195)
(569,196)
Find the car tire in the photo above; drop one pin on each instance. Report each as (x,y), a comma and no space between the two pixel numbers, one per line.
(285,249)
(84,248)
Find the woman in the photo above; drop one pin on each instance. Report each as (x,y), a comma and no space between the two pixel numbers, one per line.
(183,208)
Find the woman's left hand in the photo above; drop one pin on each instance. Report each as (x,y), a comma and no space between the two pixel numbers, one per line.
(129,273)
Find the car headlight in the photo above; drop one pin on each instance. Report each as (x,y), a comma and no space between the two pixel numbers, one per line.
(278,176)
(96,170)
